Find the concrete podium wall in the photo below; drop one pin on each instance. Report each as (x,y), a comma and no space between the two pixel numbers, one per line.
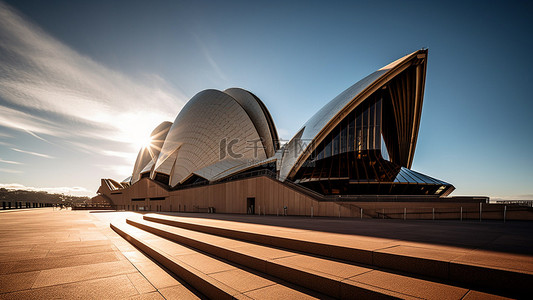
(272,196)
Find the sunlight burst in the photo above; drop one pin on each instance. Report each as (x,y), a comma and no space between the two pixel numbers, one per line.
(143,142)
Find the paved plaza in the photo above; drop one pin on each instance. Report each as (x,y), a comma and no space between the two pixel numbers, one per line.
(47,253)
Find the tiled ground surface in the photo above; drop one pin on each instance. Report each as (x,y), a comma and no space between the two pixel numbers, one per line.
(58,254)
(205,270)
(510,237)
(46,253)
(507,246)
(294,264)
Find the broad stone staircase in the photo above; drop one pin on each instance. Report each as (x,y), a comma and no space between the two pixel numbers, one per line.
(224,262)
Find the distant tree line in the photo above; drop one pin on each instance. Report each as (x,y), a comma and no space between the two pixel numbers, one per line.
(39,197)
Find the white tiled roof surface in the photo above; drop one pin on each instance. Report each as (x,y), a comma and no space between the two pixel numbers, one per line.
(149,166)
(256,114)
(206,120)
(242,167)
(213,170)
(147,155)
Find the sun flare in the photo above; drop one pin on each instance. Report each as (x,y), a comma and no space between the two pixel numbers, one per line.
(144,142)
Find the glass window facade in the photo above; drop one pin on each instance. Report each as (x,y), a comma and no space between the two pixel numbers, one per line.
(368,133)
(353,159)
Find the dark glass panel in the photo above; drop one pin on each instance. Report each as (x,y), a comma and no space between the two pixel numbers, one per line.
(320,154)
(365,129)
(415,177)
(365,139)
(343,138)
(384,150)
(359,131)
(335,146)
(377,129)
(327,150)
(351,134)
(371,125)
(407,176)
(428,179)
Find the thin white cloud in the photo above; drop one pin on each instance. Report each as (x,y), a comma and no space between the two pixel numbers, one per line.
(513,197)
(27,122)
(10,171)
(127,156)
(76,190)
(48,89)
(32,153)
(36,136)
(10,162)
(210,59)
(119,171)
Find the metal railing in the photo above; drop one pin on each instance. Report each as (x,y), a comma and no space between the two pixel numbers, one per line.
(528,203)
(487,212)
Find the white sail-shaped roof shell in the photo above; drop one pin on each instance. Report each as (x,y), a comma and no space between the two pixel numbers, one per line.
(315,129)
(260,116)
(210,120)
(148,155)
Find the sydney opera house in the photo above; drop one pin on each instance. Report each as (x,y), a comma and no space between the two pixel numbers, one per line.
(222,153)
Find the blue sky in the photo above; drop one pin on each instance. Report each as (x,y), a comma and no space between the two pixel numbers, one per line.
(81,82)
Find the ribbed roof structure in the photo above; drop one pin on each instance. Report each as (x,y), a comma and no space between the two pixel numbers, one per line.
(260,116)
(149,154)
(214,126)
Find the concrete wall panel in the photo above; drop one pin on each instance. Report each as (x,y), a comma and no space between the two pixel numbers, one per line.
(272,196)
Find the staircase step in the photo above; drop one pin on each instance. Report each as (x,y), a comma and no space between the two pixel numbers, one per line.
(335,278)
(437,262)
(214,278)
